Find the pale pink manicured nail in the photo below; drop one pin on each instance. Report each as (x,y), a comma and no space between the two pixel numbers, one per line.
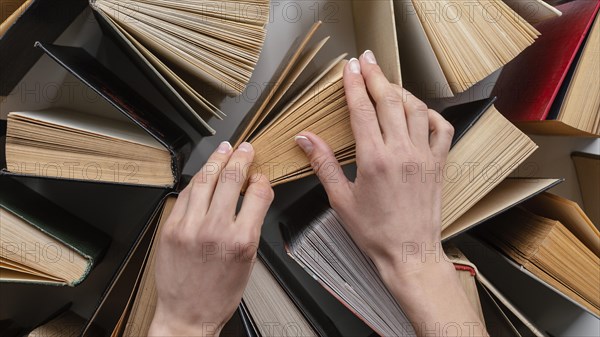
(224,147)
(245,147)
(305,144)
(370,57)
(354,65)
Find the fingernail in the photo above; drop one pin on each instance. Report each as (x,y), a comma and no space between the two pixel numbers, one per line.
(224,147)
(370,57)
(305,144)
(354,65)
(245,147)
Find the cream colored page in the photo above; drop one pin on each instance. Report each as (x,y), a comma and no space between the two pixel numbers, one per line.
(533,11)
(570,215)
(92,124)
(375,29)
(507,193)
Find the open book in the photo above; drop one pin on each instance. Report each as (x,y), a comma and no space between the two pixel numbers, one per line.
(76,145)
(326,251)
(554,240)
(137,143)
(41,242)
(218,43)
(320,106)
(448,46)
(551,95)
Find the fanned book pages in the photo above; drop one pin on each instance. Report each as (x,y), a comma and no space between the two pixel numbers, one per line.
(217,42)
(43,243)
(321,107)
(455,44)
(552,95)
(74,145)
(327,252)
(550,249)
(270,308)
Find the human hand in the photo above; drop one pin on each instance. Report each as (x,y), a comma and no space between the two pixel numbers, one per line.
(393,208)
(205,253)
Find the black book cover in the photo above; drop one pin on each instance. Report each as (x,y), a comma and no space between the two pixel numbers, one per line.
(54,221)
(129,102)
(121,288)
(43,20)
(464,116)
(152,74)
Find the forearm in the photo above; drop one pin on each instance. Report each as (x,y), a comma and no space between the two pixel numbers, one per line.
(433,300)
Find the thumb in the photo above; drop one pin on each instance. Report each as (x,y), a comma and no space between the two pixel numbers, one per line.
(325,165)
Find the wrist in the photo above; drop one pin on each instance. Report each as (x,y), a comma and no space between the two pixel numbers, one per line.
(416,268)
(164,325)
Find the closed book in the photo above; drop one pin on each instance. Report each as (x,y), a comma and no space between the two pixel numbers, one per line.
(43,243)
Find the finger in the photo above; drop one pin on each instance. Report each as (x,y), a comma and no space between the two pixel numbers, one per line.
(388,102)
(233,177)
(181,205)
(363,117)
(325,165)
(441,135)
(417,119)
(257,200)
(203,184)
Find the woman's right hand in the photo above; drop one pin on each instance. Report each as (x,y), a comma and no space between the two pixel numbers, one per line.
(393,208)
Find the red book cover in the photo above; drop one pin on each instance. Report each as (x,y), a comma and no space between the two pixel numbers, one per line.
(529,84)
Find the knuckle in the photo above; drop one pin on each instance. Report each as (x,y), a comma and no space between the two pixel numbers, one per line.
(249,248)
(322,163)
(363,109)
(232,173)
(317,160)
(356,83)
(177,237)
(391,97)
(447,129)
(169,234)
(336,202)
(378,164)
(208,234)
(418,107)
(261,190)
(200,179)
